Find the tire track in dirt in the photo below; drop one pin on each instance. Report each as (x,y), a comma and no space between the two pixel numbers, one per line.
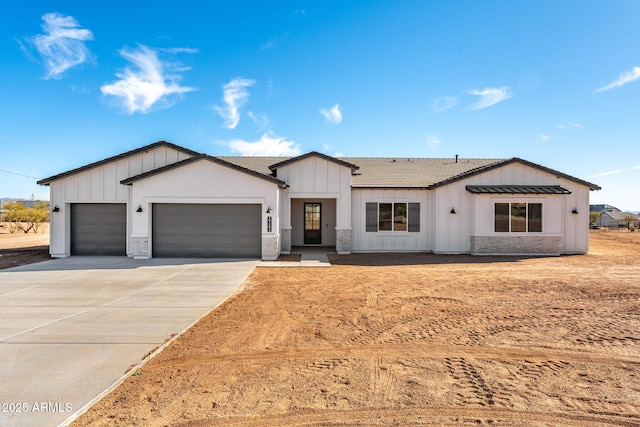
(471,388)
(383,382)
(441,415)
(416,350)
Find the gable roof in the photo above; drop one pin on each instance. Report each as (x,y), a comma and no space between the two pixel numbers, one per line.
(351,166)
(502,163)
(367,172)
(598,208)
(197,158)
(47,181)
(415,173)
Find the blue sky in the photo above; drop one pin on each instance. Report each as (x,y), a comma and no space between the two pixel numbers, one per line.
(554,82)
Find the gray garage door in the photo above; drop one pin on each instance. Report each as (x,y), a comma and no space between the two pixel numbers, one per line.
(206,231)
(98,229)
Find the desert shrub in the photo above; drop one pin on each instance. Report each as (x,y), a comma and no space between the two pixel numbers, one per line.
(20,217)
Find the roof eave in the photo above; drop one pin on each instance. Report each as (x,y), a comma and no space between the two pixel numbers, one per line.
(506,162)
(47,181)
(131,180)
(317,154)
(396,187)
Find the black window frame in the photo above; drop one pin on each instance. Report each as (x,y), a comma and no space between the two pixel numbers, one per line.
(411,214)
(510,214)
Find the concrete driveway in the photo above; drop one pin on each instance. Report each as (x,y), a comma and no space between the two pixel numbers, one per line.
(71,328)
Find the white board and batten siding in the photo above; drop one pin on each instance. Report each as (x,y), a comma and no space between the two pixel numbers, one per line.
(317,178)
(101,184)
(201,182)
(475,213)
(388,241)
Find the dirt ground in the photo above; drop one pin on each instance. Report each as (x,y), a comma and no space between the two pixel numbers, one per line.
(406,340)
(20,249)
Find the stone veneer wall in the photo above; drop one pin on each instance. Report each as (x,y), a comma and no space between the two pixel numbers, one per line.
(343,241)
(285,240)
(516,245)
(140,247)
(270,250)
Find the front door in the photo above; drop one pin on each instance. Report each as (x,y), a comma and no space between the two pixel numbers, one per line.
(312,224)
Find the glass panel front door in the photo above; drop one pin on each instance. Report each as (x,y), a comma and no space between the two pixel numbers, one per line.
(312,224)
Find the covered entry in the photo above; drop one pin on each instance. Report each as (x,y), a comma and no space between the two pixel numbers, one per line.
(313,222)
(98,229)
(206,230)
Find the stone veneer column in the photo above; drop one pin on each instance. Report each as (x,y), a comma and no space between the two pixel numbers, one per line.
(140,247)
(343,240)
(270,247)
(285,237)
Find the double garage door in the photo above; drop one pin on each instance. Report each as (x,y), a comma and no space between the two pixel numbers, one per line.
(206,231)
(178,230)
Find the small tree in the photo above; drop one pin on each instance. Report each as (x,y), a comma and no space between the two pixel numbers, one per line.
(595,217)
(26,219)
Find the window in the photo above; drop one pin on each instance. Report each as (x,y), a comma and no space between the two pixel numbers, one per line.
(518,218)
(393,217)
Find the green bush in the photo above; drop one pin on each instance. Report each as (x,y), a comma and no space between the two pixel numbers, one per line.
(26,219)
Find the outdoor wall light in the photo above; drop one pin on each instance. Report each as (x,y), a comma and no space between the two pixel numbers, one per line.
(56,209)
(574,211)
(453,210)
(269,209)
(139,208)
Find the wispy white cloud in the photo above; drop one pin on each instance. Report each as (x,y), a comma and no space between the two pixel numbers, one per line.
(333,115)
(433,141)
(338,154)
(268,145)
(616,172)
(274,42)
(235,95)
(259,119)
(623,79)
(147,83)
(63,44)
(489,96)
(441,104)
(613,172)
(176,50)
(570,125)
(543,138)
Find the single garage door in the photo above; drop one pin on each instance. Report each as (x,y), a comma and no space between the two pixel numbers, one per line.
(206,231)
(98,229)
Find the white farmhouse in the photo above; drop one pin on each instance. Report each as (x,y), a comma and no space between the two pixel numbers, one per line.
(163,200)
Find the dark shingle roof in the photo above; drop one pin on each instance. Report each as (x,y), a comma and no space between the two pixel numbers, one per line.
(428,173)
(517,189)
(47,181)
(197,158)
